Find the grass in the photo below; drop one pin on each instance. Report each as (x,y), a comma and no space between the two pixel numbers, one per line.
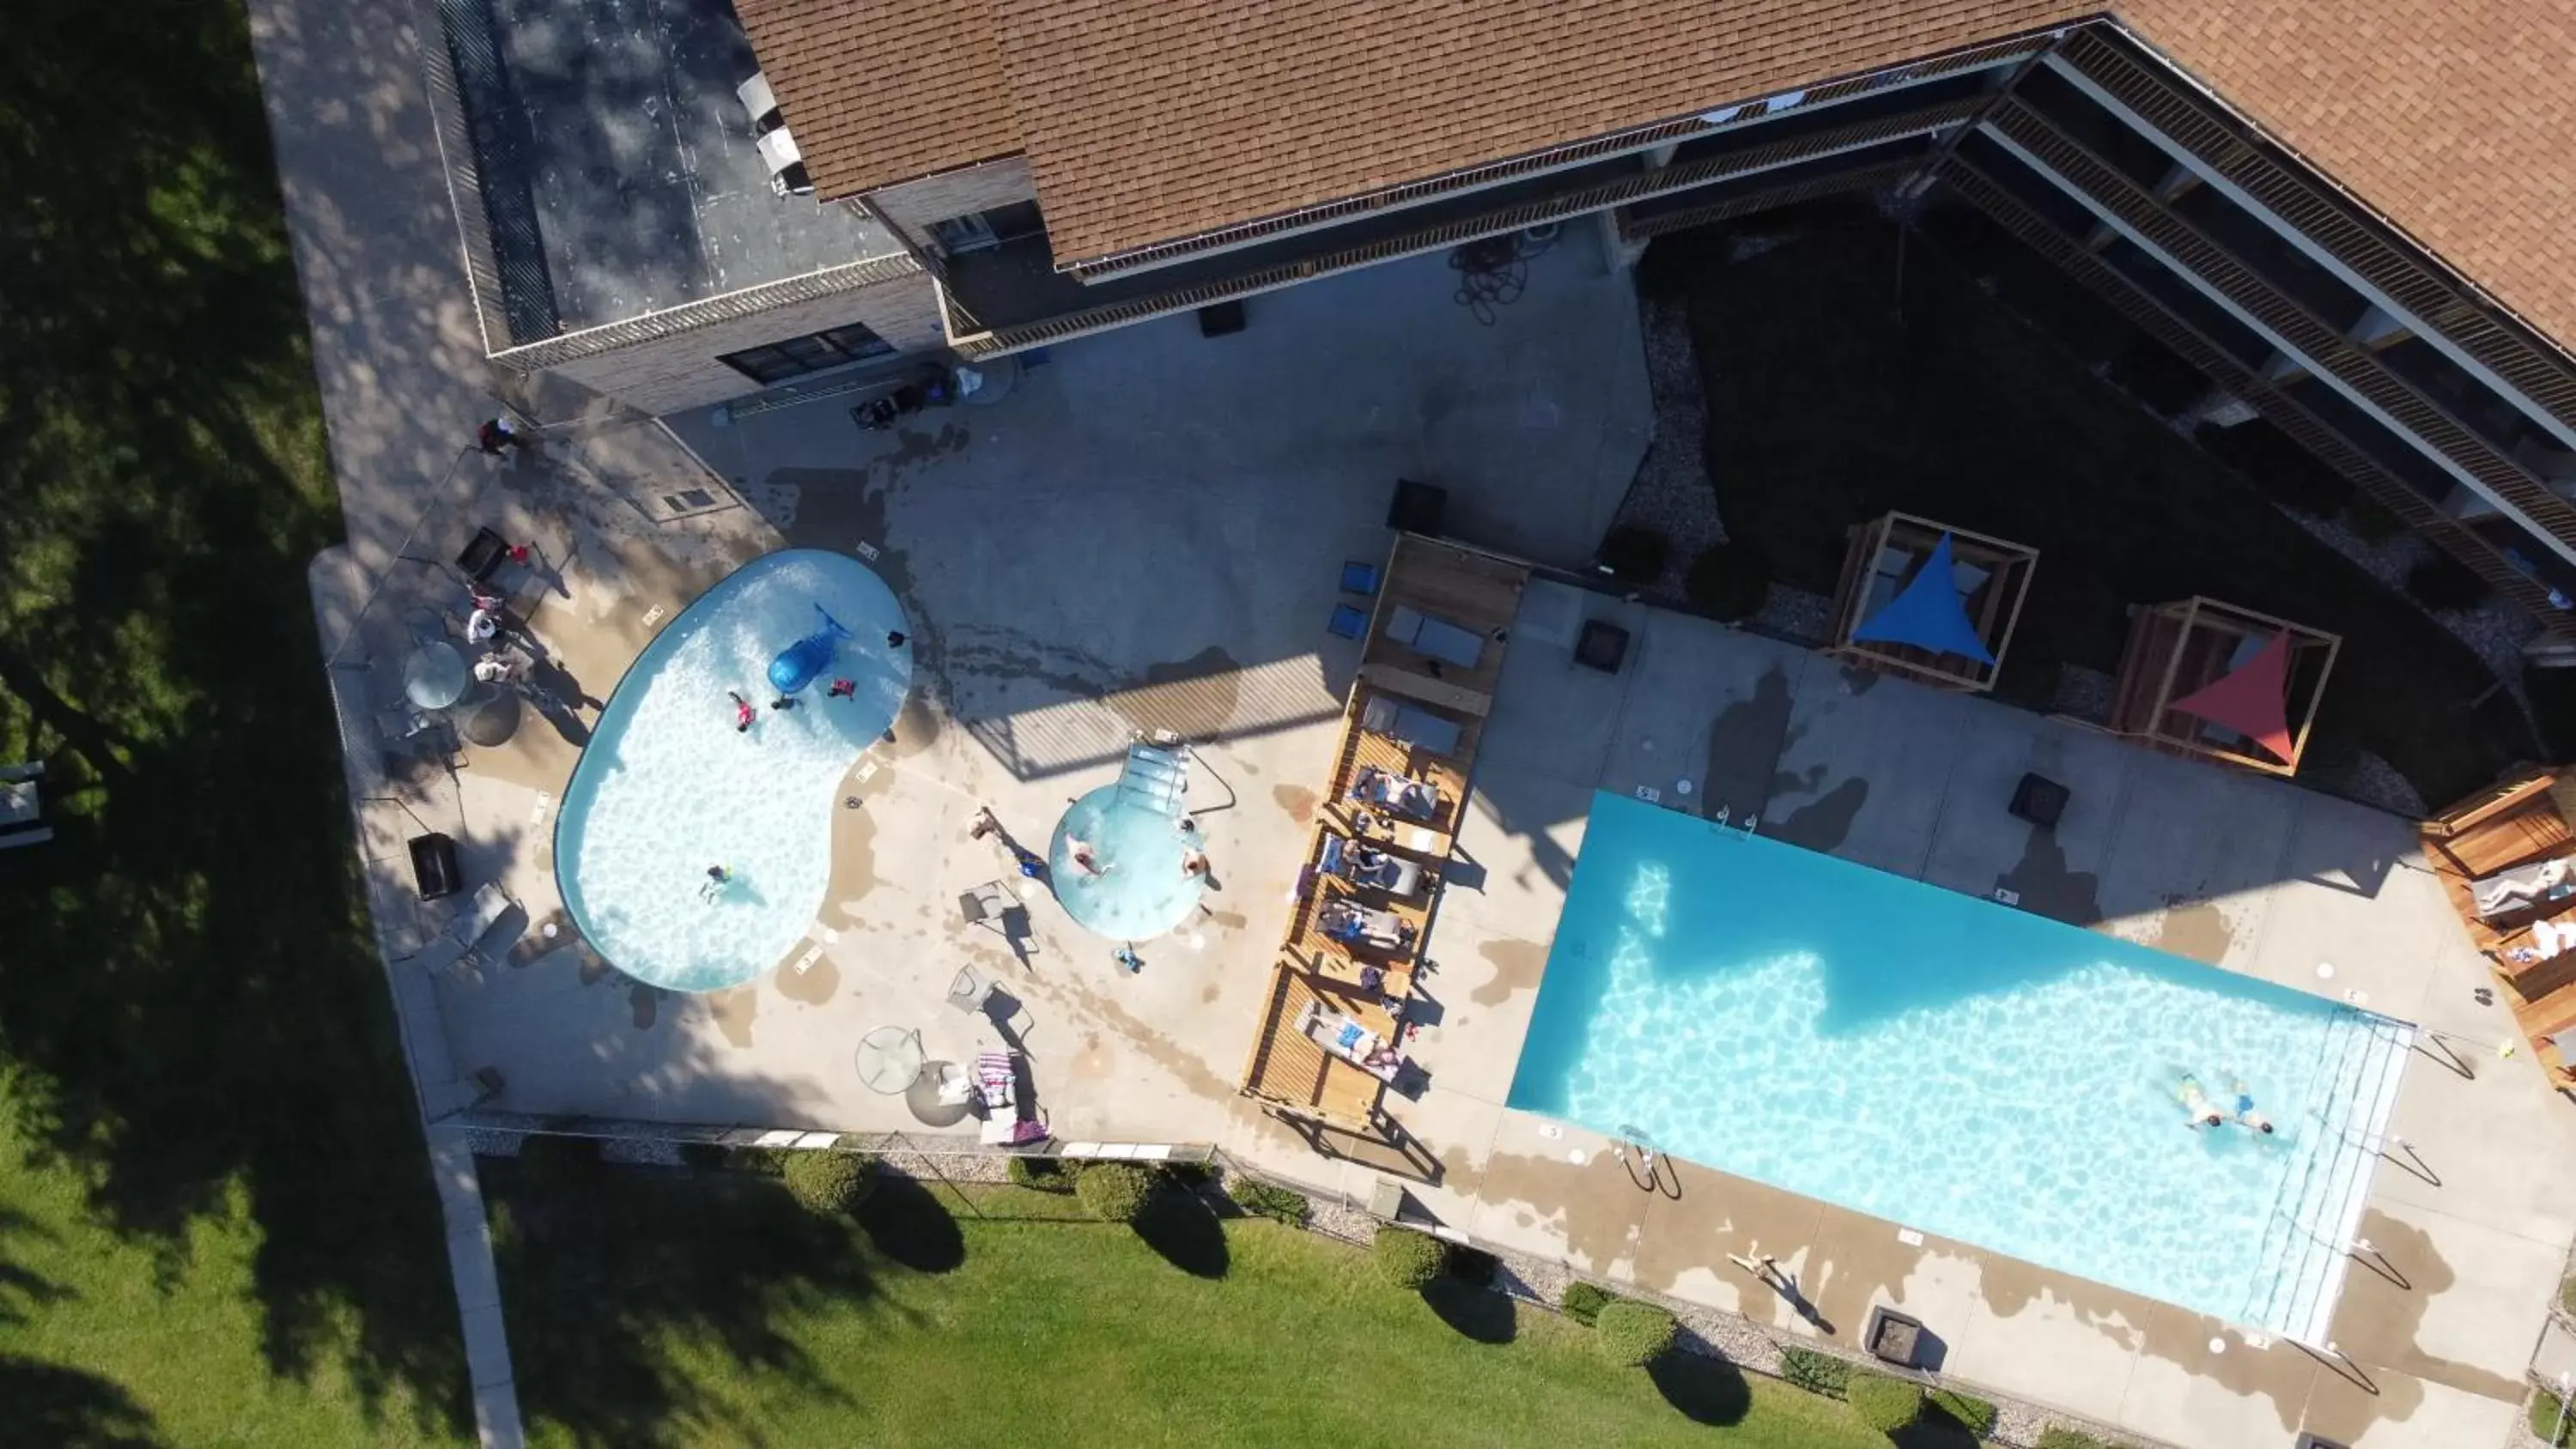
(215,1219)
(1833,398)
(710,1310)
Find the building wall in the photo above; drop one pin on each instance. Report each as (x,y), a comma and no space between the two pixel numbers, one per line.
(914,205)
(671,373)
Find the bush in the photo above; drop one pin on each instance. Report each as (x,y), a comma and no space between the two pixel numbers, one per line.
(1408,1259)
(2567,1295)
(1966,1410)
(1115,1192)
(2372,519)
(1817,1373)
(1634,555)
(1583,1301)
(1263,1200)
(830,1182)
(1041,1174)
(2057,1436)
(1728,581)
(1632,1334)
(2544,1420)
(2442,582)
(1192,1175)
(1883,1403)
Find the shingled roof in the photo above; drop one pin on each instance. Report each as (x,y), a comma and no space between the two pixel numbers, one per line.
(1146,120)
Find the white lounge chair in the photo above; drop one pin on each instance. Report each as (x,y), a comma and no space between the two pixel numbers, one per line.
(1396,794)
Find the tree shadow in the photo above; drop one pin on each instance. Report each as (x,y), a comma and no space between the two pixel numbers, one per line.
(1184,1229)
(1706,1390)
(154,501)
(54,1405)
(910,1225)
(1474,1310)
(616,1279)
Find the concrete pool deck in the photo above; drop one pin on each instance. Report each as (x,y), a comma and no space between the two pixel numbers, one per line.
(2470,1230)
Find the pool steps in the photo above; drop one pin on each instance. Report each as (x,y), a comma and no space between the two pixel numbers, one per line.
(2311,1230)
(1155,778)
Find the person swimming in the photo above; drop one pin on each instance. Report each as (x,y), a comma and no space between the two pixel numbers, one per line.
(2246,1113)
(718,877)
(2196,1103)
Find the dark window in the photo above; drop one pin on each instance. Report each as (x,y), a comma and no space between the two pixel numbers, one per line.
(978,230)
(797,356)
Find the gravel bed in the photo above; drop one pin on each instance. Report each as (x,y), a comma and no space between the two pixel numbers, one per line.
(2495,631)
(2083,693)
(1336,1221)
(1671,493)
(651,1152)
(1796,614)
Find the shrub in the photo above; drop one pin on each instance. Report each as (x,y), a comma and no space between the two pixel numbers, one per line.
(1883,1403)
(1634,555)
(1192,1175)
(1115,1192)
(1632,1334)
(2544,1420)
(2442,582)
(1969,1412)
(1583,1301)
(1408,1259)
(1817,1373)
(2058,1436)
(830,1182)
(1728,581)
(1042,1174)
(1263,1200)
(2372,519)
(2567,1295)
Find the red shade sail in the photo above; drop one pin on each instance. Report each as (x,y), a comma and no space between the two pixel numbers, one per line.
(2252,699)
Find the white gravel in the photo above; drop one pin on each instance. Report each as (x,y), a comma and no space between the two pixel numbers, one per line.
(1671,493)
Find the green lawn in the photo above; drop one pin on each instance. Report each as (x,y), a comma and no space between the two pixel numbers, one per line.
(1833,398)
(215,1219)
(711,1310)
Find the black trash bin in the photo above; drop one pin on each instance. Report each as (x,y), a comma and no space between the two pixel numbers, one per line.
(433,866)
(482,558)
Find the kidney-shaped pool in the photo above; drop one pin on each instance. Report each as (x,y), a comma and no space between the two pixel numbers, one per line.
(668,787)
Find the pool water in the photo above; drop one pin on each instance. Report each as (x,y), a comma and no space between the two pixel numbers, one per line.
(667,787)
(1143,892)
(1957,1067)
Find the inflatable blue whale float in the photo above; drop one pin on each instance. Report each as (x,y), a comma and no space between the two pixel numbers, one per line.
(800,663)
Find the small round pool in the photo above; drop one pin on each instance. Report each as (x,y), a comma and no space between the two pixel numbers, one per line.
(1141,891)
(668,787)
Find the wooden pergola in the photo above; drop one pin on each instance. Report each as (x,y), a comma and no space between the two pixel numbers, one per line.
(1887,554)
(2178,656)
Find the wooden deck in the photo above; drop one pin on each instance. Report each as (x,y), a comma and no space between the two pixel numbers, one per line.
(2519,821)
(1478,593)
(1291,1071)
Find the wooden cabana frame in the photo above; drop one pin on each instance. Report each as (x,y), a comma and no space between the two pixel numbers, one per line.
(1903,540)
(2177,648)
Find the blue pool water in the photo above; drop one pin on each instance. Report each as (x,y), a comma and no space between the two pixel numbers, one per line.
(667,787)
(1956,1066)
(1143,892)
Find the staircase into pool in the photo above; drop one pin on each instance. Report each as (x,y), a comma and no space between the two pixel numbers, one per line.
(1155,777)
(2307,1241)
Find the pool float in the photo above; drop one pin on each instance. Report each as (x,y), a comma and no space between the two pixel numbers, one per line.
(797,665)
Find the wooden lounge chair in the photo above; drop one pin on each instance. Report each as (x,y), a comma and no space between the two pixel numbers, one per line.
(1350,1041)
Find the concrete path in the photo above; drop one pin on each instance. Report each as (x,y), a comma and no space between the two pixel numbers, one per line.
(403,382)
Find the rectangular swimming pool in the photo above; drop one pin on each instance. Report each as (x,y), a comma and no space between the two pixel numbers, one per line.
(1959,1067)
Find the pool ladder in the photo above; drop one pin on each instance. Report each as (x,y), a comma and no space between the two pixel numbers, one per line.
(1155,778)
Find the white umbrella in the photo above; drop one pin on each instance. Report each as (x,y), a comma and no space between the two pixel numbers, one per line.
(889,1059)
(434,675)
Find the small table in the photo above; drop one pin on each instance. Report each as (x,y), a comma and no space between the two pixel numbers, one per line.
(889,1059)
(2039,800)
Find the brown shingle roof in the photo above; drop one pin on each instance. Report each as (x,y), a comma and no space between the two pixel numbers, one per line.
(880,91)
(1146,120)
